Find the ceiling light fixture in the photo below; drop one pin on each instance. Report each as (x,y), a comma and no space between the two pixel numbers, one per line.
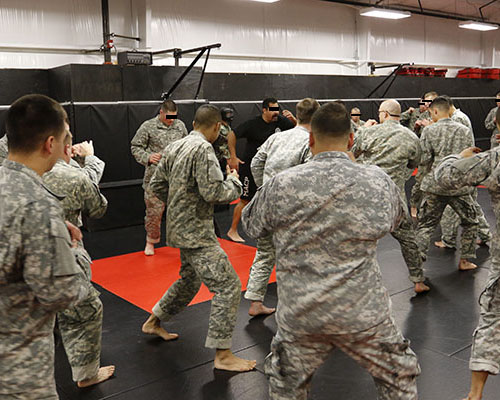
(266,1)
(384,13)
(477,26)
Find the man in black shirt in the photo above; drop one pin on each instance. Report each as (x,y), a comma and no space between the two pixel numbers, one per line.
(255,131)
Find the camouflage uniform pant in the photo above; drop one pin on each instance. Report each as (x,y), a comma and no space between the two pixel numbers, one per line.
(416,194)
(493,139)
(261,270)
(485,353)
(431,211)
(81,328)
(154,214)
(211,266)
(405,235)
(450,222)
(381,350)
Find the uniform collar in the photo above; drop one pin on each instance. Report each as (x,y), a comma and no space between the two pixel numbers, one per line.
(161,125)
(325,155)
(199,134)
(390,121)
(444,120)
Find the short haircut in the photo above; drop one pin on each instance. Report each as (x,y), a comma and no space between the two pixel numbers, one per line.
(497,116)
(338,101)
(331,121)
(207,116)
(441,103)
(498,93)
(267,101)
(32,119)
(169,106)
(305,110)
(430,94)
(355,109)
(450,100)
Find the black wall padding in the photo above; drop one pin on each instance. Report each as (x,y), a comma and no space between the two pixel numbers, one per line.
(15,83)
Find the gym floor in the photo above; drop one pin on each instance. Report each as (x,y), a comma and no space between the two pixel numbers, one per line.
(439,324)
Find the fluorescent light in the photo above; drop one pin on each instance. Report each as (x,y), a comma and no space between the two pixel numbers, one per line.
(477,26)
(384,13)
(266,1)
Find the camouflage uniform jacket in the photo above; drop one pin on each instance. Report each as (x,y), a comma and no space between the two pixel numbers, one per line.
(4,150)
(355,126)
(152,137)
(38,276)
(490,124)
(439,140)
(456,172)
(81,194)
(462,118)
(391,147)
(326,217)
(220,145)
(408,119)
(189,181)
(280,151)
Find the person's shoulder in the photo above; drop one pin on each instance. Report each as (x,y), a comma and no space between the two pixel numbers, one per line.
(149,124)
(178,123)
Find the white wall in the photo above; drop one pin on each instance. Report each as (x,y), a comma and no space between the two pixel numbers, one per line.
(291,36)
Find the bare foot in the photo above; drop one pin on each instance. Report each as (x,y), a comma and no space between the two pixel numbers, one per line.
(153,327)
(235,236)
(257,308)
(472,397)
(442,245)
(103,374)
(421,287)
(149,250)
(227,361)
(466,265)
(413,212)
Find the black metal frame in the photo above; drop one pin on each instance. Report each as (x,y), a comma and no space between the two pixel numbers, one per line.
(392,75)
(178,54)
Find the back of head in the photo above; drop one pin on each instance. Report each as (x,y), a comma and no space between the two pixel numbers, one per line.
(305,110)
(207,116)
(267,101)
(450,100)
(441,104)
(331,122)
(169,106)
(31,119)
(392,107)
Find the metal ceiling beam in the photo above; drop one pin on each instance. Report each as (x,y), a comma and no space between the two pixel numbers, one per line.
(427,13)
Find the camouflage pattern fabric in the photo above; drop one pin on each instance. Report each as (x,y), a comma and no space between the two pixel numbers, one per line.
(481,169)
(462,118)
(38,277)
(409,119)
(4,150)
(262,267)
(280,151)
(331,203)
(220,145)
(396,150)
(152,137)
(189,181)
(81,325)
(211,266)
(490,124)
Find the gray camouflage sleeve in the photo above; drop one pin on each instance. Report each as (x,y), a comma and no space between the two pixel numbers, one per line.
(139,146)
(256,216)
(94,203)
(159,181)
(50,268)
(94,168)
(211,184)
(489,122)
(258,163)
(456,172)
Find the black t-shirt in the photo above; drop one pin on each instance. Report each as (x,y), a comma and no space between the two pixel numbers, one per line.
(256,131)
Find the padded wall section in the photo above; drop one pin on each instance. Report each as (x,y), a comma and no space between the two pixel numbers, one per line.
(15,83)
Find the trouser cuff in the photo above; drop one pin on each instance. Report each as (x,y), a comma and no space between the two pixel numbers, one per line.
(252,296)
(159,313)
(222,344)
(84,372)
(151,240)
(484,365)
(417,279)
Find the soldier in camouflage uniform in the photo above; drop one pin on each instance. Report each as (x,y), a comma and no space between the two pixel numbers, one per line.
(81,326)
(396,150)
(439,140)
(38,273)
(146,146)
(490,123)
(450,220)
(356,121)
(455,172)
(280,151)
(188,179)
(220,145)
(326,217)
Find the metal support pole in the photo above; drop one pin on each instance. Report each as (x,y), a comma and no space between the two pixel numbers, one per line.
(105,31)
(202,75)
